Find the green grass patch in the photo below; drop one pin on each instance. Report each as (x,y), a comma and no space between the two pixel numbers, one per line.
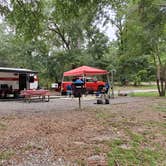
(6,155)
(133,155)
(81,162)
(30,147)
(102,115)
(131,87)
(136,139)
(160,125)
(2,126)
(97,150)
(161,107)
(144,94)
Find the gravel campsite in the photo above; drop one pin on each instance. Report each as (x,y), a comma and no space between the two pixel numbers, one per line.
(58,133)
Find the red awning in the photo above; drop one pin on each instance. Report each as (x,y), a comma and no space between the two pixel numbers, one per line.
(85,70)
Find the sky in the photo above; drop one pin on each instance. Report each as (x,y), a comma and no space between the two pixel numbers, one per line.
(110,31)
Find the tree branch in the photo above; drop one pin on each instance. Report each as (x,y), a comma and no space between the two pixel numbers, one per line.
(61,34)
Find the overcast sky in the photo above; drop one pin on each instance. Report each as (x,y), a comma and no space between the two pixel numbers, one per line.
(110,31)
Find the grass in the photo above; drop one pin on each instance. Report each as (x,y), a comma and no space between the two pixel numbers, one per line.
(101,115)
(134,155)
(141,87)
(153,124)
(97,150)
(6,155)
(2,126)
(136,138)
(30,147)
(160,124)
(131,87)
(161,107)
(81,162)
(144,94)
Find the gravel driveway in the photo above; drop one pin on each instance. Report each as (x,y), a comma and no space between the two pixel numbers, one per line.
(56,104)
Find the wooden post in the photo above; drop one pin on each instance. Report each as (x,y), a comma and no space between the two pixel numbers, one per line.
(79,99)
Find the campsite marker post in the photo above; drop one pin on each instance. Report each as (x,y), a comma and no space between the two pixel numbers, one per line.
(79,99)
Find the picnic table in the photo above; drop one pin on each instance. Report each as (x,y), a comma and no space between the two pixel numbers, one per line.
(41,94)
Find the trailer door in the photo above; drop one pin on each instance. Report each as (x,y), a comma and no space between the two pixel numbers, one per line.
(22,81)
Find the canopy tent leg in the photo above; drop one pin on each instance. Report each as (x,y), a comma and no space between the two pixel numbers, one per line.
(84,86)
(61,85)
(109,83)
(112,82)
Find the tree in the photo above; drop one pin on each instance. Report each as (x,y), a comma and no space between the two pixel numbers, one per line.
(97,48)
(6,48)
(149,37)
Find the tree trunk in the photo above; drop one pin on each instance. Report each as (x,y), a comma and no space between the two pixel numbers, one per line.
(161,80)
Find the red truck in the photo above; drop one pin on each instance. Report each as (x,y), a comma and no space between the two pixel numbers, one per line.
(91,85)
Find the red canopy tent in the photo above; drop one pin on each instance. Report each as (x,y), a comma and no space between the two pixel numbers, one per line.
(85,71)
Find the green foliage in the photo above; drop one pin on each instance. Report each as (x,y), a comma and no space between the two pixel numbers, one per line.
(136,79)
(97,49)
(149,24)
(6,48)
(27,17)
